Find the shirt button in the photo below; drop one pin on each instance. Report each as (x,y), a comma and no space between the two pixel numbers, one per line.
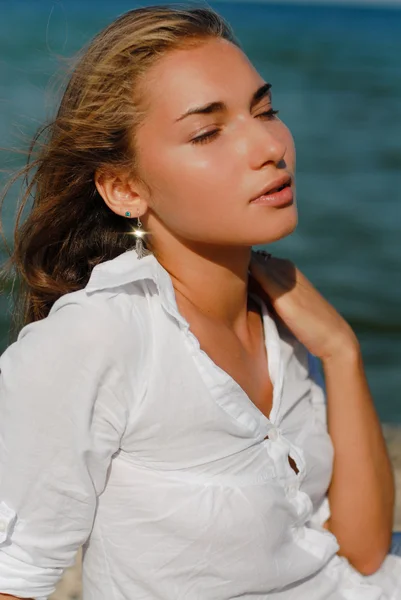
(273,434)
(3,525)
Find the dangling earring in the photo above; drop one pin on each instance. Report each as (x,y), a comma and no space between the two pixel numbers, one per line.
(139,245)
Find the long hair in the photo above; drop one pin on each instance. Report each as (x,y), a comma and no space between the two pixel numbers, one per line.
(69,228)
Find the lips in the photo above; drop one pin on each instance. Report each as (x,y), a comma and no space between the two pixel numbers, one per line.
(278,189)
(274,187)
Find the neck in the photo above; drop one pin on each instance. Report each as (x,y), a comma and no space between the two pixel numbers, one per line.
(214,280)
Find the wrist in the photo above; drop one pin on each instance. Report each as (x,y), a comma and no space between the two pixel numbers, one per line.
(347,351)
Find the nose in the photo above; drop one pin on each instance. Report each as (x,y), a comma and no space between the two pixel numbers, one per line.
(266,145)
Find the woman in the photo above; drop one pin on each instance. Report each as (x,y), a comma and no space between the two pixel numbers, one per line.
(160,404)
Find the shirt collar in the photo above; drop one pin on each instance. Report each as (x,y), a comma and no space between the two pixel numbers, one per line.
(128,268)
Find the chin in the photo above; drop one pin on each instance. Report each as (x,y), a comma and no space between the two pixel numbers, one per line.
(281,228)
(291,225)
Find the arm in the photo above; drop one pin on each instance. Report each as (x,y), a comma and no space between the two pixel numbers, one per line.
(361,493)
(60,425)
(362,489)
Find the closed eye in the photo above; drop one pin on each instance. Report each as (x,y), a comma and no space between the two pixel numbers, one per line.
(207,137)
(269,113)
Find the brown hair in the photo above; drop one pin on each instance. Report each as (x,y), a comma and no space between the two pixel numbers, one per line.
(70,228)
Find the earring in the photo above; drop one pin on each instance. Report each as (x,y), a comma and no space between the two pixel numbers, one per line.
(139,245)
(127,214)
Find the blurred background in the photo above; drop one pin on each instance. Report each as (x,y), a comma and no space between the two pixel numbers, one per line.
(336,75)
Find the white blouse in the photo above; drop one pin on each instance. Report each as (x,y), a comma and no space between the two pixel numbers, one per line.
(120,433)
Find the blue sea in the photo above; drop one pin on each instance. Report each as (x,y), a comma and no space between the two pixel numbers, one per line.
(336,75)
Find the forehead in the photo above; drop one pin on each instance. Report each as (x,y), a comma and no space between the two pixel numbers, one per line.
(195,75)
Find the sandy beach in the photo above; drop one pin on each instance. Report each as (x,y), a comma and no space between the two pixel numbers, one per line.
(69,588)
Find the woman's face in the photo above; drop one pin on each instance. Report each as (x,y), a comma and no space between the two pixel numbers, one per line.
(200,188)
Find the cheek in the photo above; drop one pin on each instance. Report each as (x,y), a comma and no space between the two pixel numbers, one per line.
(192,199)
(186,182)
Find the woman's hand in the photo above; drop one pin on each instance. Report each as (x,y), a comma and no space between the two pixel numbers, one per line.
(313,321)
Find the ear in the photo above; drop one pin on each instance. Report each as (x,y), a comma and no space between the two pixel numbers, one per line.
(119,193)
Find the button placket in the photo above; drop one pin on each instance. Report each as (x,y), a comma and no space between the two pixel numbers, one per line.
(273,434)
(298,458)
(292,491)
(291,484)
(300,532)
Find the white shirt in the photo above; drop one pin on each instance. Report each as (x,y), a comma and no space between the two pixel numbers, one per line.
(120,433)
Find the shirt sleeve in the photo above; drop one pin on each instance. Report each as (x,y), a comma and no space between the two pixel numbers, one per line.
(62,419)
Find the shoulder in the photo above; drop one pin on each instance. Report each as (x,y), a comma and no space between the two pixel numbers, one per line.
(79,331)
(296,356)
(294,348)
(76,319)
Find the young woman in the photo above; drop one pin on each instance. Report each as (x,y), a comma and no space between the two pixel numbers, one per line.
(160,405)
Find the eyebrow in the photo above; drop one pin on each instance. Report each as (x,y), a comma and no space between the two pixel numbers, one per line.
(212,107)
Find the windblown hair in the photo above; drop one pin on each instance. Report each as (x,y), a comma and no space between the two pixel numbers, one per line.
(70,228)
